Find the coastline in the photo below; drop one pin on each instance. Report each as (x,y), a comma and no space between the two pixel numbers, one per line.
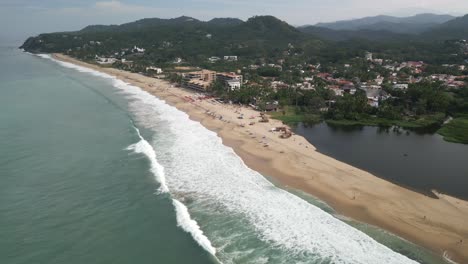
(437,224)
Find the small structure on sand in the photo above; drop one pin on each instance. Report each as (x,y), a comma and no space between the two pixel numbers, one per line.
(264,118)
(285,132)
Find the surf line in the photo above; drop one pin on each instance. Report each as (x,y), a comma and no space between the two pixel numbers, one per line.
(183,217)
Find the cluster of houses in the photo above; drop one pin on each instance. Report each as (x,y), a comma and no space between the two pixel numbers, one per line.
(450,81)
(214,59)
(373,88)
(394,76)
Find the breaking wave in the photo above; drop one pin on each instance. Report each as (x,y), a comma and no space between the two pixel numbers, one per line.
(143,147)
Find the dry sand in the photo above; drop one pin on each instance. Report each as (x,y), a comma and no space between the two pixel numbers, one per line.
(437,224)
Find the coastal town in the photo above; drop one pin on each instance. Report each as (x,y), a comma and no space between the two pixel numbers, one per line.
(249,121)
(306,92)
(388,75)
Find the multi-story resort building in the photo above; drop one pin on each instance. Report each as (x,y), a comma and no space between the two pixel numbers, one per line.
(202,80)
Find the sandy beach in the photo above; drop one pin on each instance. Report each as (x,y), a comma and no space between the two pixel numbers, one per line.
(437,224)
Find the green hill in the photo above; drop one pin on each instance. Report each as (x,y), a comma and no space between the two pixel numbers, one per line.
(260,38)
(453,29)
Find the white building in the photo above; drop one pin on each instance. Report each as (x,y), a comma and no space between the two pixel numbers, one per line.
(139,50)
(402,86)
(378,61)
(155,69)
(379,80)
(368,56)
(105,61)
(230,58)
(214,59)
(233,84)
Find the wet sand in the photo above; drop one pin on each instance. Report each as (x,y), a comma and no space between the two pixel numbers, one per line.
(437,224)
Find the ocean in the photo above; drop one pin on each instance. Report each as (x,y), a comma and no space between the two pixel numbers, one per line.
(94,170)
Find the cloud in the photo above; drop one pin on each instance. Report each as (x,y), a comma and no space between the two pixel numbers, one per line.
(27,17)
(119,7)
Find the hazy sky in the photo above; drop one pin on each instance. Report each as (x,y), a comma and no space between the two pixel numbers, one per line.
(21,18)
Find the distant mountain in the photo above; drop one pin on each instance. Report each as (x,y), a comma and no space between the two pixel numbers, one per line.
(453,29)
(407,25)
(143,24)
(341,35)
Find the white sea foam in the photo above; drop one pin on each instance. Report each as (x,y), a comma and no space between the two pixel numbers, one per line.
(145,148)
(191,226)
(197,162)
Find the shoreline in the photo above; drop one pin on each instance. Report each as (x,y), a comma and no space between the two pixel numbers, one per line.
(436,224)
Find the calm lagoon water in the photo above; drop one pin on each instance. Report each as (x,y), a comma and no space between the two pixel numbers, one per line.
(422,162)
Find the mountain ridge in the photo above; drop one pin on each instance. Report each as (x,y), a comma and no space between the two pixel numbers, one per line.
(409,25)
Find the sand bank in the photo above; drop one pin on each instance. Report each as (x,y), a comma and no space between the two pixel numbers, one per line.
(437,224)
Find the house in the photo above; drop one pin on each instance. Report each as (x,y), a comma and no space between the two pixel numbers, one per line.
(455,84)
(323,75)
(214,59)
(138,50)
(154,69)
(378,61)
(400,86)
(379,80)
(374,94)
(336,89)
(230,58)
(105,61)
(343,82)
(348,88)
(126,62)
(414,64)
(368,56)
(233,84)
(276,85)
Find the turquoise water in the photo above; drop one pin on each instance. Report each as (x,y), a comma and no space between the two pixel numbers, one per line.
(93,170)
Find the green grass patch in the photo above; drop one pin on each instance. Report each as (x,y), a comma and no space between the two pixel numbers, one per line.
(427,121)
(455,131)
(290,117)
